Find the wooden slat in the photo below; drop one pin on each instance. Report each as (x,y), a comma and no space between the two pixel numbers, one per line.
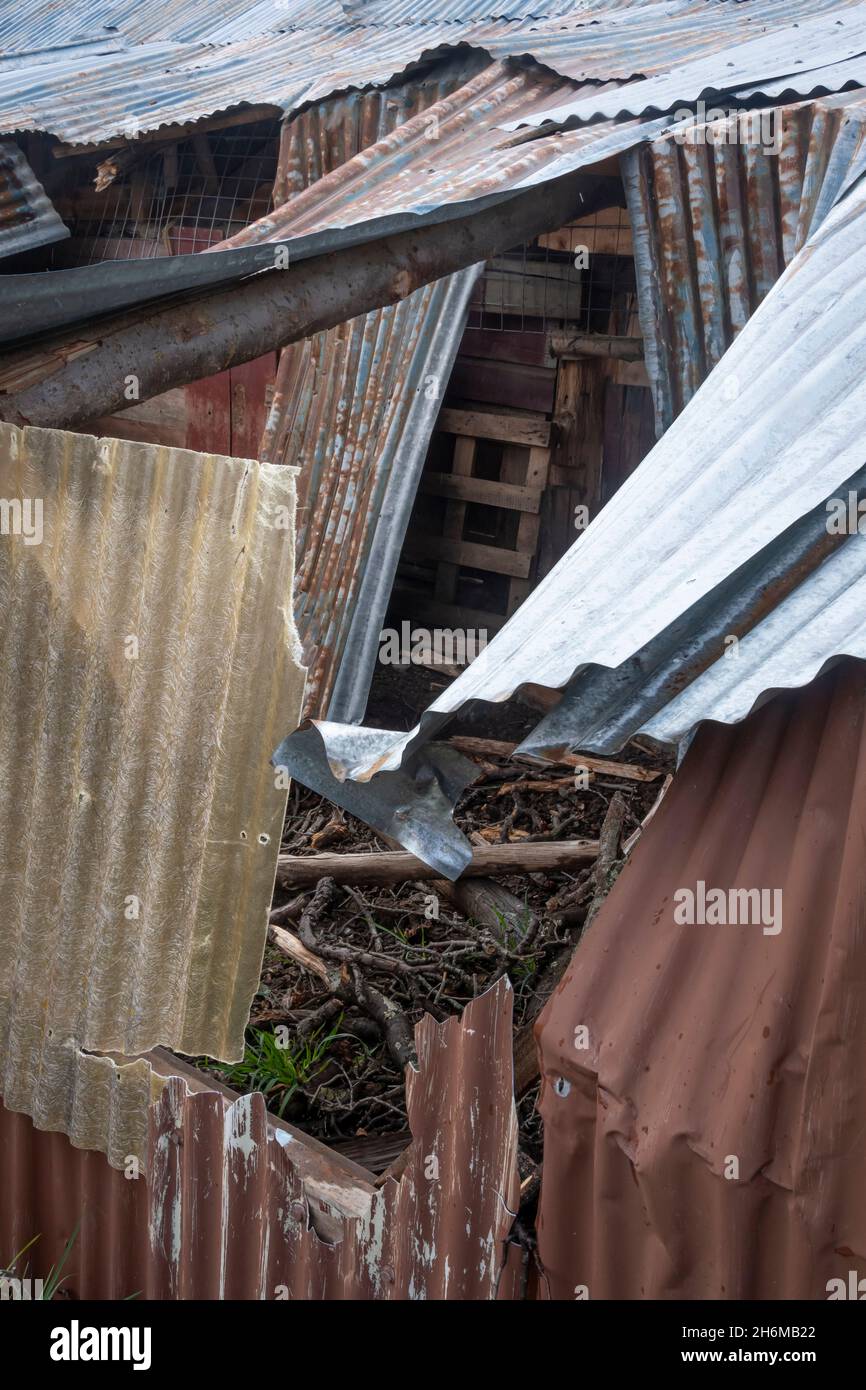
(479,384)
(455,517)
(484,490)
(479,557)
(505,345)
(510,429)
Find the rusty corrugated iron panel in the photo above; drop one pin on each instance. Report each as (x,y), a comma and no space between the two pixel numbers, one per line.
(354,407)
(730,507)
(708,1139)
(27,217)
(354,410)
(232,1204)
(449,152)
(145,599)
(718,210)
(188,65)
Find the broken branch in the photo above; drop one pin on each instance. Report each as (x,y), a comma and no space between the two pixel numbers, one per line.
(390,867)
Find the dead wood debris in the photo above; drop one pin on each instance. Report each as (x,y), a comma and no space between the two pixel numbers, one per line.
(352,966)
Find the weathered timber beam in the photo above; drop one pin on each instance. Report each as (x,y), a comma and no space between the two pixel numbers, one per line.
(174,345)
(399,867)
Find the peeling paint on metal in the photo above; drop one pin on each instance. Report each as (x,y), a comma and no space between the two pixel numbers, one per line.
(216,1213)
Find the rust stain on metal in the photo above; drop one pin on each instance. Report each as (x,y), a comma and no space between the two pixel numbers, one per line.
(718,211)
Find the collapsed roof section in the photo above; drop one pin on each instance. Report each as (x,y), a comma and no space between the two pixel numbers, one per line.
(731,510)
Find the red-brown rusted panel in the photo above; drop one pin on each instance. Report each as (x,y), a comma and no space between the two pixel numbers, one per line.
(235,1205)
(249,385)
(708,1142)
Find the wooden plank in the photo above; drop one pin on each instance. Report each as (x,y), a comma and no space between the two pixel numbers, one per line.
(484,490)
(209,414)
(507,345)
(538,468)
(509,429)
(629,374)
(447,573)
(493,383)
(492,558)
(249,404)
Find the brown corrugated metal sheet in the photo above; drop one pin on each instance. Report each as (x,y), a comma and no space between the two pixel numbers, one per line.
(708,1140)
(233,1205)
(148,666)
(718,216)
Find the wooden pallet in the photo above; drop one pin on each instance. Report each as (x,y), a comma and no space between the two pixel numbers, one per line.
(519,488)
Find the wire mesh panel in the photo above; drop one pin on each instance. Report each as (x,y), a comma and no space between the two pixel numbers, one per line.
(580,277)
(176,198)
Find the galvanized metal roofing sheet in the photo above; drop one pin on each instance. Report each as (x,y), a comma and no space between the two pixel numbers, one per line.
(786,41)
(185,64)
(387,12)
(146,612)
(773,432)
(27,216)
(711,1041)
(718,209)
(40,28)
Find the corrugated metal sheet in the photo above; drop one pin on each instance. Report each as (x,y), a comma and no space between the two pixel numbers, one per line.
(146,618)
(234,1205)
(712,1043)
(352,404)
(27,217)
(717,217)
(354,410)
(773,432)
(194,64)
(447,160)
(733,48)
(450,154)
